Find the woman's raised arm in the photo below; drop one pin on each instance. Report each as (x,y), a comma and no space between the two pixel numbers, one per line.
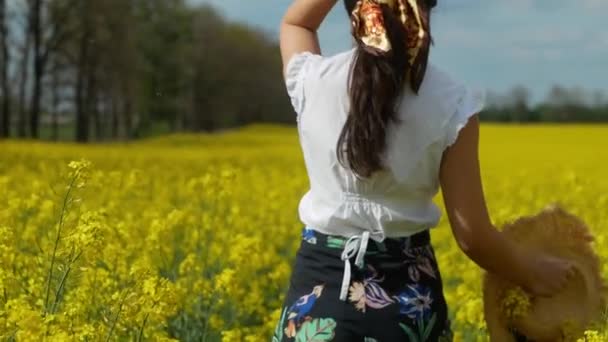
(299,27)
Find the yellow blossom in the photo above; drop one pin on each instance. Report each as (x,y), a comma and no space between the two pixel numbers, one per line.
(163,241)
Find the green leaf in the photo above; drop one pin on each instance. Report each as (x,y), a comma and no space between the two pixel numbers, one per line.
(429,328)
(410,333)
(278,331)
(317,330)
(420,325)
(333,242)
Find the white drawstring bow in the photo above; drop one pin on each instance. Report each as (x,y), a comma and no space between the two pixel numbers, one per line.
(355,244)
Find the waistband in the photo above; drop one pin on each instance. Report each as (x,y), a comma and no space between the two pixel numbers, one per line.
(357,246)
(421,239)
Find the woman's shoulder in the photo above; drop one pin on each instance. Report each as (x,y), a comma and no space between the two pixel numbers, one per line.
(312,73)
(438,81)
(311,68)
(442,88)
(443,101)
(438,95)
(319,62)
(452,100)
(331,66)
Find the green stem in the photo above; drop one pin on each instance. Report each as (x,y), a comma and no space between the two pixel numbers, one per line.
(207,313)
(92,306)
(62,283)
(116,318)
(60,289)
(122,302)
(57,239)
(141,330)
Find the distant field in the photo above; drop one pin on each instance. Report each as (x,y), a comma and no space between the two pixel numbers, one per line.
(191,237)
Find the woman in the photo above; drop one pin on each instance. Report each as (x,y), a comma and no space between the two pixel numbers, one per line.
(381,130)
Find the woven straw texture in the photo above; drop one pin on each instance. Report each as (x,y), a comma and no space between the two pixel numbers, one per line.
(565,315)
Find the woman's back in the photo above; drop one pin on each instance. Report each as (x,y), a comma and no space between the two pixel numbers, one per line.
(381,130)
(395,201)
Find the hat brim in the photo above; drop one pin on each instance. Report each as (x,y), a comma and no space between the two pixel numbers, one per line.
(559,233)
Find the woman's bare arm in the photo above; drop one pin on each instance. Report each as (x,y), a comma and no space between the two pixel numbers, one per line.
(465,203)
(299,27)
(464,200)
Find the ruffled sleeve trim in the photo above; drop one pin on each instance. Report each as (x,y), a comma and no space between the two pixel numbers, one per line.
(470,103)
(295,75)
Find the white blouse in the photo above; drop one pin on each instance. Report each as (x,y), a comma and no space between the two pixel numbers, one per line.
(397,201)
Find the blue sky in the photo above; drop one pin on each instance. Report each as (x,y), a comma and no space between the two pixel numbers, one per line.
(492,44)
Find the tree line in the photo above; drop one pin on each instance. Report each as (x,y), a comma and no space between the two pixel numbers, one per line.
(565,105)
(90,70)
(93,70)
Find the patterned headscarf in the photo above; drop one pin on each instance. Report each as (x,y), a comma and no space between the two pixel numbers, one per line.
(369,28)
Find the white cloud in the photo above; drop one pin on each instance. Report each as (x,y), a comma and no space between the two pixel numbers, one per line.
(496,43)
(595,4)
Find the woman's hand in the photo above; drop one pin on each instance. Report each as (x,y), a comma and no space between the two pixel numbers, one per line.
(548,275)
(460,177)
(299,27)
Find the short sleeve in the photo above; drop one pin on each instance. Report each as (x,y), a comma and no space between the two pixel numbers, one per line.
(471,102)
(295,76)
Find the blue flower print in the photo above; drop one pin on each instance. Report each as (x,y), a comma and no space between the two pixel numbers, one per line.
(309,236)
(415,302)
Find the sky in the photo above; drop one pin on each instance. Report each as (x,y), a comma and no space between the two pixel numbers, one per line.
(489,44)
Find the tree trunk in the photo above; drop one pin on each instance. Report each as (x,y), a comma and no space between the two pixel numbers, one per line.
(93,103)
(128,115)
(92,97)
(38,68)
(82,116)
(55,109)
(23,81)
(82,119)
(5,122)
(114,109)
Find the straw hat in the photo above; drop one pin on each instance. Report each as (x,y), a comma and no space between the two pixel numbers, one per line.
(567,314)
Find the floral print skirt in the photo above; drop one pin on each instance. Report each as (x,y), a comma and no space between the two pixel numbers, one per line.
(396,294)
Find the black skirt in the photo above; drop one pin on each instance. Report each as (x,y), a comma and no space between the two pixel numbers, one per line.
(394,291)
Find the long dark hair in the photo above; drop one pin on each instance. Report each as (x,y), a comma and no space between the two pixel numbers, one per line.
(375,85)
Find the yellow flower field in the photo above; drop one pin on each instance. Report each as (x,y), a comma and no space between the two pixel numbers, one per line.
(192,237)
